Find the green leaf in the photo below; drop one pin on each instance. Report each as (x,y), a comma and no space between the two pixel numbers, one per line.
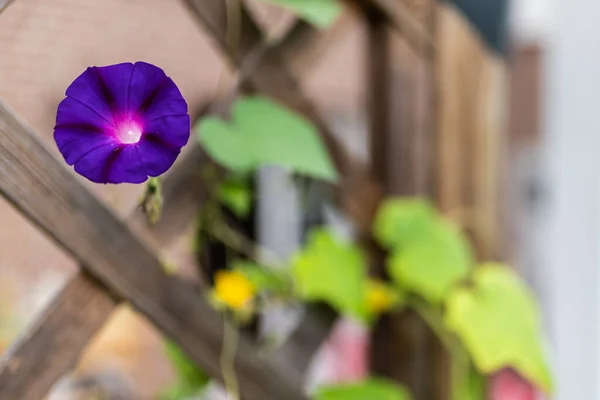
(321,13)
(370,389)
(265,133)
(499,324)
(433,262)
(400,220)
(263,278)
(330,270)
(471,385)
(236,195)
(191,379)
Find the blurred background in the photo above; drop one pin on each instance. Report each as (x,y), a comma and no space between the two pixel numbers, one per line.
(548,117)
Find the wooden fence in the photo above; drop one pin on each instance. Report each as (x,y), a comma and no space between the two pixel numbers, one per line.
(117,266)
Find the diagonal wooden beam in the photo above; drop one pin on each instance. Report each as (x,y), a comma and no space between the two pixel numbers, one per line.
(53,199)
(51,346)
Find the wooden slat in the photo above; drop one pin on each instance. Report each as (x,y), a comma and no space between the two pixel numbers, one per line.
(402,149)
(53,199)
(418,37)
(471,131)
(52,346)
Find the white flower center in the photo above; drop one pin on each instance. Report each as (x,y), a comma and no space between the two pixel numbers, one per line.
(129,134)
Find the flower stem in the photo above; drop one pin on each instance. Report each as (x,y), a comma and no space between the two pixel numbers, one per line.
(227,361)
(459,360)
(238,242)
(152,200)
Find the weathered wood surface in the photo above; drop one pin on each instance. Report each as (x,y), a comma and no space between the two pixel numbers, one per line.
(401,145)
(399,16)
(472,115)
(52,346)
(53,199)
(304,45)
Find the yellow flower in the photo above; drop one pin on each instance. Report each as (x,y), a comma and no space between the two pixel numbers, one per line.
(233,289)
(380,298)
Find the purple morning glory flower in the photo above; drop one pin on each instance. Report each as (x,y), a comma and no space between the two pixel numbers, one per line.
(122,123)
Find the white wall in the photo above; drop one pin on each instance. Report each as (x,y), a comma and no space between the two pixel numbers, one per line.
(570,231)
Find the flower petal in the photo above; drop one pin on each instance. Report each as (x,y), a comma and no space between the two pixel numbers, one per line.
(115,81)
(173,130)
(127,167)
(167,101)
(156,157)
(153,94)
(93,165)
(89,90)
(76,141)
(134,163)
(72,112)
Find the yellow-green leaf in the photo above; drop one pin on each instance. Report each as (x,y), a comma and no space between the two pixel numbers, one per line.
(433,262)
(400,220)
(331,270)
(369,389)
(499,324)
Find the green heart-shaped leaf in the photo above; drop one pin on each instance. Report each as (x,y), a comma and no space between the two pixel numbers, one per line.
(264,133)
(499,324)
(433,261)
(330,270)
(400,220)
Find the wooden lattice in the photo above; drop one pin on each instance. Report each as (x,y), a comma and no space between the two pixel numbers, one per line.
(116,266)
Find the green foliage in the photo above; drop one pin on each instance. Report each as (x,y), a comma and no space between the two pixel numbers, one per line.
(236,195)
(471,386)
(321,13)
(264,133)
(432,262)
(263,278)
(370,389)
(330,270)
(191,380)
(498,322)
(399,220)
